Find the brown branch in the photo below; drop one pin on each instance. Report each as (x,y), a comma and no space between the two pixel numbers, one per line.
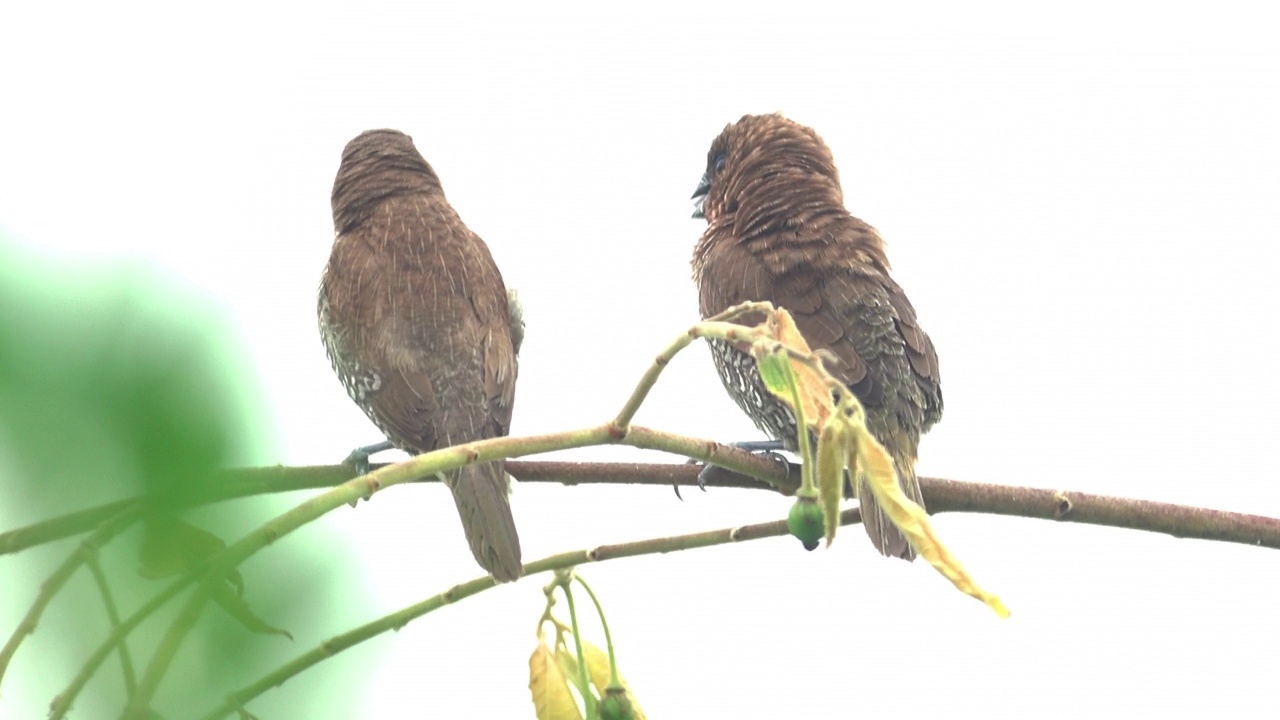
(1181,521)
(244,482)
(941,495)
(668,474)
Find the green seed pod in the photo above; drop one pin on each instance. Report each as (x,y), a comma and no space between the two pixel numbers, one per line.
(805,522)
(616,705)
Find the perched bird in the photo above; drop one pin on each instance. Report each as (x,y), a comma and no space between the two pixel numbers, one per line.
(777,230)
(418,325)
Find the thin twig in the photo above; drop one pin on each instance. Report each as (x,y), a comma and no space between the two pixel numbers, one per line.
(88,547)
(431,463)
(1176,520)
(230,484)
(113,616)
(363,487)
(559,561)
(59,527)
(650,378)
(62,702)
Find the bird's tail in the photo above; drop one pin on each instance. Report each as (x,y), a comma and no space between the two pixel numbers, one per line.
(481,495)
(887,538)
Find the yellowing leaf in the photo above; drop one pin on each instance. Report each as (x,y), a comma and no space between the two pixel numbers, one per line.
(597,665)
(569,667)
(834,444)
(813,387)
(803,388)
(552,698)
(843,434)
(874,463)
(775,371)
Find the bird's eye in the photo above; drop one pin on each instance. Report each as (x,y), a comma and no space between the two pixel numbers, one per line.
(719,163)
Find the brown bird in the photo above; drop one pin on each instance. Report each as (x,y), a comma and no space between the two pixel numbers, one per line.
(418,325)
(777,230)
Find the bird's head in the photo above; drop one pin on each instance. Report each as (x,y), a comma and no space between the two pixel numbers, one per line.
(714,166)
(377,164)
(761,158)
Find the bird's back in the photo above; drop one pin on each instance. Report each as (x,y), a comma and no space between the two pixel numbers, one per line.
(414,295)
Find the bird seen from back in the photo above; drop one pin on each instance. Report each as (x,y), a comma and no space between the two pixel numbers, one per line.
(418,326)
(778,231)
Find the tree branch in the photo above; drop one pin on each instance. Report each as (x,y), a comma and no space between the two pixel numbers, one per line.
(396,620)
(1180,521)
(236,483)
(87,549)
(941,495)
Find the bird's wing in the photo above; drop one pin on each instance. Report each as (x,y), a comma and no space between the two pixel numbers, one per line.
(846,315)
(855,311)
(395,392)
(352,276)
(500,364)
(865,319)
(920,352)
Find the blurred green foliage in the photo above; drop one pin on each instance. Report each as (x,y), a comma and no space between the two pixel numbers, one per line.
(115,383)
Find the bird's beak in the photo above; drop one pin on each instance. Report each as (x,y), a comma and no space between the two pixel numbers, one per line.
(700,197)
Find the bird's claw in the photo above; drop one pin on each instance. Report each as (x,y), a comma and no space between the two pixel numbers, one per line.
(702,483)
(776,456)
(765,448)
(707,471)
(359,458)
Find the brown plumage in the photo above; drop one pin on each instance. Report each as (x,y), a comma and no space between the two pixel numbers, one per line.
(417,323)
(777,230)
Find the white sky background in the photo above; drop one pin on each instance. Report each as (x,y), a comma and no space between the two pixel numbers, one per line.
(1083,207)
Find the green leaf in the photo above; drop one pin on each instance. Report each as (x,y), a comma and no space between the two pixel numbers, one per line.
(116,382)
(775,371)
(236,607)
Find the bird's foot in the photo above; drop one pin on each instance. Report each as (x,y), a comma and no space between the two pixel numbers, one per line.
(767,448)
(359,458)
